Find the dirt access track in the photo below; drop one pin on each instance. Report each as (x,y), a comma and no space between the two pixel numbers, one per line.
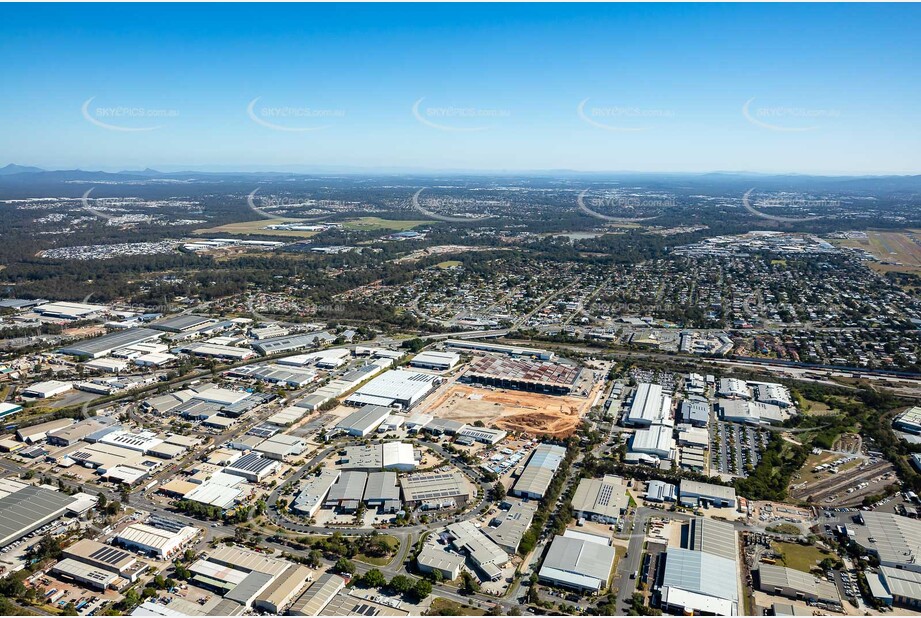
(534,413)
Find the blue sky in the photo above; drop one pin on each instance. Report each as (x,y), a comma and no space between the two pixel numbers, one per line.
(828,88)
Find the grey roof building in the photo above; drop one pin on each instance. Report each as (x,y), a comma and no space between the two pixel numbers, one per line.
(29,509)
(578,563)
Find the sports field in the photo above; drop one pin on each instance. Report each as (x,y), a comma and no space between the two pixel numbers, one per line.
(370,224)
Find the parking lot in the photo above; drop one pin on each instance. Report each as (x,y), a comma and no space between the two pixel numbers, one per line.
(735,448)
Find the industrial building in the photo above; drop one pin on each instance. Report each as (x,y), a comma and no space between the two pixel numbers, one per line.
(398,388)
(771,393)
(8,409)
(602,500)
(507,528)
(313,492)
(435,490)
(279,594)
(26,508)
(694,412)
(797,585)
(896,587)
(751,412)
(155,541)
(660,491)
(439,361)
(47,389)
(652,444)
(317,596)
(85,575)
(281,447)
(69,311)
(382,493)
(699,583)
(399,456)
(181,323)
(253,467)
(37,433)
(364,421)
(347,492)
(72,434)
(482,346)
(523,374)
(538,473)
(433,558)
(99,347)
(484,435)
(580,563)
(909,421)
(105,557)
(290,343)
(733,388)
(223,352)
(694,493)
(649,406)
(485,555)
(894,540)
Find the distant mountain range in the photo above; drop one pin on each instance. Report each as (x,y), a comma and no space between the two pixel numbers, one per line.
(22,176)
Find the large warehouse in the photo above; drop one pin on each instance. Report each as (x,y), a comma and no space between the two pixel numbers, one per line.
(650,406)
(523,374)
(155,541)
(602,500)
(25,508)
(538,474)
(578,562)
(694,493)
(398,456)
(435,490)
(894,540)
(439,361)
(364,421)
(105,345)
(398,387)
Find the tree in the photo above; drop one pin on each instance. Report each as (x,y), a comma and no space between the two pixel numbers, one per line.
(498,491)
(344,565)
(401,584)
(101,501)
(70,610)
(313,558)
(374,579)
(470,585)
(422,589)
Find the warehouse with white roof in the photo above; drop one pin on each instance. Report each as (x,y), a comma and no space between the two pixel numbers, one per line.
(578,562)
(394,388)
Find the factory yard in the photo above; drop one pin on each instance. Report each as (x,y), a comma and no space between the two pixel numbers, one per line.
(844,481)
(511,410)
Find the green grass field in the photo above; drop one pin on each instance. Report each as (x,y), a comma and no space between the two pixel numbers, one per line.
(800,557)
(446,607)
(370,224)
(448,264)
(392,542)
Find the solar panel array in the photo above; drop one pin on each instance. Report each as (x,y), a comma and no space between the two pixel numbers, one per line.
(110,555)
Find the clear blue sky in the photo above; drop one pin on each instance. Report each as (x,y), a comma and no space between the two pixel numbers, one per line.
(836,88)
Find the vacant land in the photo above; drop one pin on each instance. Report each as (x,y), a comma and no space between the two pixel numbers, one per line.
(368,224)
(248,228)
(448,264)
(800,557)
(897,251)
(446,607)
(534,413)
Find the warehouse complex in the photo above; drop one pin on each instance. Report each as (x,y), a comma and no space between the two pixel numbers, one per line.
(523,374)
(398,388)
(538,473)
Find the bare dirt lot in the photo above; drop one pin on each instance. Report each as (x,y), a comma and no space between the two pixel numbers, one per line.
(532,413)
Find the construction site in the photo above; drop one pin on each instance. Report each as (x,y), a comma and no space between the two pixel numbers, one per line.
(512,410)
